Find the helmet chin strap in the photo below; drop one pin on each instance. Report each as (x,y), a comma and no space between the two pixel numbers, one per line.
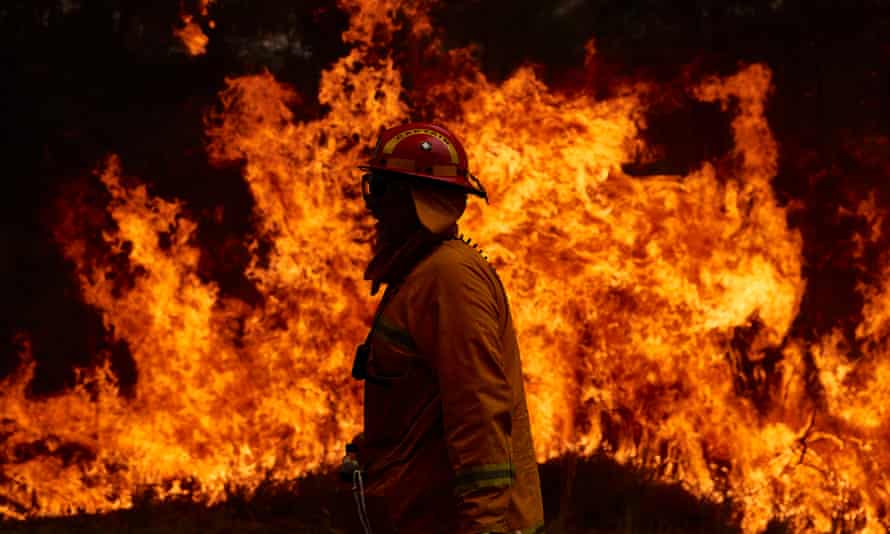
(478,184)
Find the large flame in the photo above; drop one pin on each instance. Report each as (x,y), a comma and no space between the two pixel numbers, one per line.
(653,314)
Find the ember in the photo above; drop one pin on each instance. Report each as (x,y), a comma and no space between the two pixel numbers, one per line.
(191,34)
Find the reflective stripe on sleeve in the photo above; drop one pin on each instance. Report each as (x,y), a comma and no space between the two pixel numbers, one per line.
(537,529)
(483,476)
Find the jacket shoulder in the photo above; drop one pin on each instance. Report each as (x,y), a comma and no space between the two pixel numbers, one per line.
(454,264)
(453,258)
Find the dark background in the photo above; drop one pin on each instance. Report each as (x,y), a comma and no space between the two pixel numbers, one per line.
(81,79)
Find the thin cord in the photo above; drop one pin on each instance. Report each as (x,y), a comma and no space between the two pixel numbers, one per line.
(358,494)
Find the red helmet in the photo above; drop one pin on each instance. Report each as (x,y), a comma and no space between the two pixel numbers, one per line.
(425,151)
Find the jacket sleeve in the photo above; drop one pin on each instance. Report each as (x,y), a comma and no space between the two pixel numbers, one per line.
(462,339)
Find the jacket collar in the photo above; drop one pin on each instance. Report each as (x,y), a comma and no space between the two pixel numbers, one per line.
(394,261)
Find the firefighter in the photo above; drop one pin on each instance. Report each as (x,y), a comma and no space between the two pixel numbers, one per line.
(446,445)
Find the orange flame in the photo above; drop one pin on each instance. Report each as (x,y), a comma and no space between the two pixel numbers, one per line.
(191,34)
(630,297)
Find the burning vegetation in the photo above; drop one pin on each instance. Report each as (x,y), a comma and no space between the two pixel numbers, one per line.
(691,302)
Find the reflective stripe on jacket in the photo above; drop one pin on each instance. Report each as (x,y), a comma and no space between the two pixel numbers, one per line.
(447,444)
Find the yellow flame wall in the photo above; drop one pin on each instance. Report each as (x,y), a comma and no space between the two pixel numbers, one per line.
(627,294)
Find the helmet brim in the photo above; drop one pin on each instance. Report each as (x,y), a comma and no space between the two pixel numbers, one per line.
(432,179)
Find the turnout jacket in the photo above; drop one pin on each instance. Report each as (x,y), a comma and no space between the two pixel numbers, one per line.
(446,445)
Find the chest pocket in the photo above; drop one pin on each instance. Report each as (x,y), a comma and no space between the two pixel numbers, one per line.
(393,354)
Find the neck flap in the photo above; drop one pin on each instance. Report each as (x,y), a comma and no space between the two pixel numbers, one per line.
(395,260)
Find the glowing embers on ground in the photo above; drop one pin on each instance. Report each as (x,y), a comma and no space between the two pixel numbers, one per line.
(645,308)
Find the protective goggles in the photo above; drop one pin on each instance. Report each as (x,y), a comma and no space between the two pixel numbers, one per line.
(373,186)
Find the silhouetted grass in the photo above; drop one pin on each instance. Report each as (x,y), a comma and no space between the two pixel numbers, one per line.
(581,495)
(598,495)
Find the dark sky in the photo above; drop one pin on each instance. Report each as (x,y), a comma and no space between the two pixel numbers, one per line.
(85,78)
